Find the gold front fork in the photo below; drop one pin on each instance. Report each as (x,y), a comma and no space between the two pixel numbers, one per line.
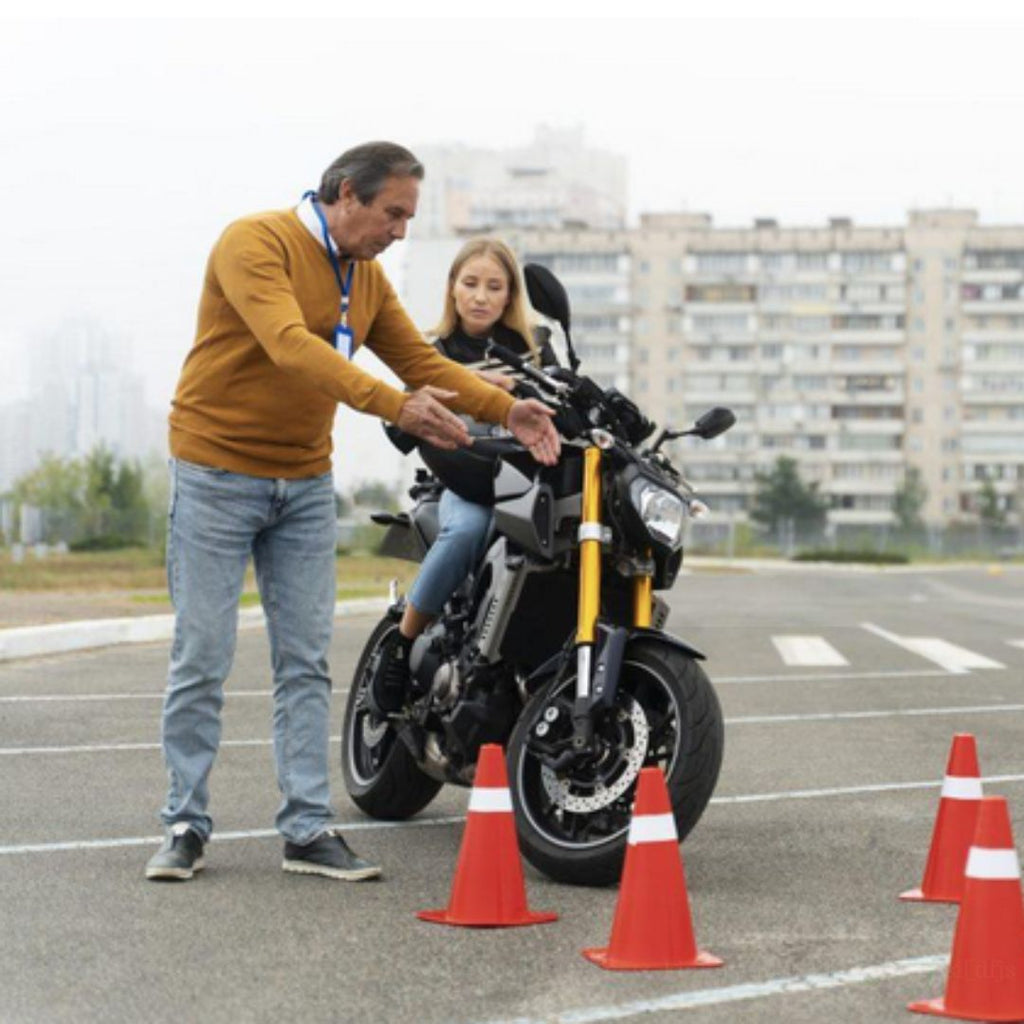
(590,548)
(590,571)
(643,588)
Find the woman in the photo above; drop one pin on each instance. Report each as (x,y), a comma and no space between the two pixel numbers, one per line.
(484,299)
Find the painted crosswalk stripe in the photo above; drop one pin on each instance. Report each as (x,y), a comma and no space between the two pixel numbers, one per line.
(958,660)
(676,1002)
(807,650)
(1016,643)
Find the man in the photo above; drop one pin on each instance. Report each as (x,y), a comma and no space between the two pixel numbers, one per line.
(287,298)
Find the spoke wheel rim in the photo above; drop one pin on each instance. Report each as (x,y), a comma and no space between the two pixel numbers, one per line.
(647,711)
(369,740)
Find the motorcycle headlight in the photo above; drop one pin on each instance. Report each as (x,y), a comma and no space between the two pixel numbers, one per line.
(662,511)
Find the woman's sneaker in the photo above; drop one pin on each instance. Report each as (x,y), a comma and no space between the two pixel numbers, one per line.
(390,680)
(179,858)
(330,856)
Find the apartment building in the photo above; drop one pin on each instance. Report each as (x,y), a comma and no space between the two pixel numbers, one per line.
(860,351)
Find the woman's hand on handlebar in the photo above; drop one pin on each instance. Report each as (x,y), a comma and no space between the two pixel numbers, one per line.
(499,380)
(530,422)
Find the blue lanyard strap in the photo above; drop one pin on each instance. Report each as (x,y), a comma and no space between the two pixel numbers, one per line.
(343,286)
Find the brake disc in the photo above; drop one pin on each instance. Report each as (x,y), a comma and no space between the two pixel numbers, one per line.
(559,790)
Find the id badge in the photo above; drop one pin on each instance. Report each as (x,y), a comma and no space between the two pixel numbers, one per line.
(344,340)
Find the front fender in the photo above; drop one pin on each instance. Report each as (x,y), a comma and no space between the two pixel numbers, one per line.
(659,636)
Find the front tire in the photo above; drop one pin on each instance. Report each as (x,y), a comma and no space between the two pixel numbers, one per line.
(380,773)
(573,826)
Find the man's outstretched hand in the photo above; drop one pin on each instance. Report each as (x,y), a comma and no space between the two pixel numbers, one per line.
(424,416)
(530,422)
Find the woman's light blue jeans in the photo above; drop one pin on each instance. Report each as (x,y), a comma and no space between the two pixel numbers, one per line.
(216,521)
(453,555)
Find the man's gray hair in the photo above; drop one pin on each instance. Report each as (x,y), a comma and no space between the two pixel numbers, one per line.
(366,168)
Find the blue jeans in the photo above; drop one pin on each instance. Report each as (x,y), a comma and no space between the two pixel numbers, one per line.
(453,555)
(216,521)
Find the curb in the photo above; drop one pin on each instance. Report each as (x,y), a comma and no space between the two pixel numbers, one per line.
(64,637)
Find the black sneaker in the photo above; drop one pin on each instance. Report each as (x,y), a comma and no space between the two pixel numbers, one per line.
(390,679)
(180,856)
(328,855)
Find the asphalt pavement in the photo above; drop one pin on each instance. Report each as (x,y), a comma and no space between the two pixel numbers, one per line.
(841,690)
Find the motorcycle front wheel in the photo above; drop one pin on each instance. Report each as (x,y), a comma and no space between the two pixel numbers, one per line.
(380,773)
(573,825)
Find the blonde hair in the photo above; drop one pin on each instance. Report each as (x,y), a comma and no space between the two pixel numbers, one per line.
(516,315)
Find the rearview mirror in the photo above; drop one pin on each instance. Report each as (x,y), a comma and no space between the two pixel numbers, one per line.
(714,422)
(547,294)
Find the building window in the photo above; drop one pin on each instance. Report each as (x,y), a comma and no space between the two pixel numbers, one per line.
(858,262)
(721,262)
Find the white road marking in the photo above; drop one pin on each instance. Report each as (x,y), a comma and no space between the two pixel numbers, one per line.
(882,787)
(111,748)
(958,660)
(218,837)
(835,716)
(823,716)
(745,798)
(1016,643)
(821,677)
(807,650)
(690,999)
(43,698)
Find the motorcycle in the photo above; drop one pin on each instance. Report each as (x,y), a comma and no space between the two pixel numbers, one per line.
(555,646)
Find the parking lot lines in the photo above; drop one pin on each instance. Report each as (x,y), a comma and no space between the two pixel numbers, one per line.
(691,1000)
(811,716)
(219,837)
(740,798)
(951,657)
(807,650)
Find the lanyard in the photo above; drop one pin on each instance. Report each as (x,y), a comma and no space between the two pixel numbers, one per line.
(345,286)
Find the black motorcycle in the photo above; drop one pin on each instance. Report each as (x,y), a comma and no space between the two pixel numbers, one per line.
(554,647)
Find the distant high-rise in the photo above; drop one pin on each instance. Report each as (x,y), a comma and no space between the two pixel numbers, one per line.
(83,393)
(555,181)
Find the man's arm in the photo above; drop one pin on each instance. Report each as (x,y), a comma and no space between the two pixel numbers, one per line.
(394,338)
(249,265)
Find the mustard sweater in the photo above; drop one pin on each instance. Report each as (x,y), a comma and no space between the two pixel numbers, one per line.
(260,386)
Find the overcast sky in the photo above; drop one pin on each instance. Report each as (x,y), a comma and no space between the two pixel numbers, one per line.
(127,145)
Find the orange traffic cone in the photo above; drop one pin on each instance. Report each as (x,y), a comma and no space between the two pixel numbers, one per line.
(652,930)
(954,826)
(986,969)
(488,889)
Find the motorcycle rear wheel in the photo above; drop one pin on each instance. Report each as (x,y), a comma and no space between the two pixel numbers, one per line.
(573,826)
(380,773)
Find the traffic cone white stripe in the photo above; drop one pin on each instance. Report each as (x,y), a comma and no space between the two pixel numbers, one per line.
(490,801)
(959,787)
(652,828)
(992,864)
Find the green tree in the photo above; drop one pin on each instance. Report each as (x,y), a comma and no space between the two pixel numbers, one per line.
(990,509)
(782,500)
(909,500)
(55,483)
(96,501)
(54,487)
(376,493)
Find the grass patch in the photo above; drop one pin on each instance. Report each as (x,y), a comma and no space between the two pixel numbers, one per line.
(143,570)
(863,557)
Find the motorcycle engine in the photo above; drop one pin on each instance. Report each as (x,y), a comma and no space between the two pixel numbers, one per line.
(433,670)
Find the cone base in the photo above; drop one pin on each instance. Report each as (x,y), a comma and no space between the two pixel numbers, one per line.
(937,1008)
(918,896)
(612,963)
(444,916)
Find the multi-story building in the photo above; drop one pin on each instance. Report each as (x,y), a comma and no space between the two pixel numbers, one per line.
(552,182)
(860,351)
(82,394)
